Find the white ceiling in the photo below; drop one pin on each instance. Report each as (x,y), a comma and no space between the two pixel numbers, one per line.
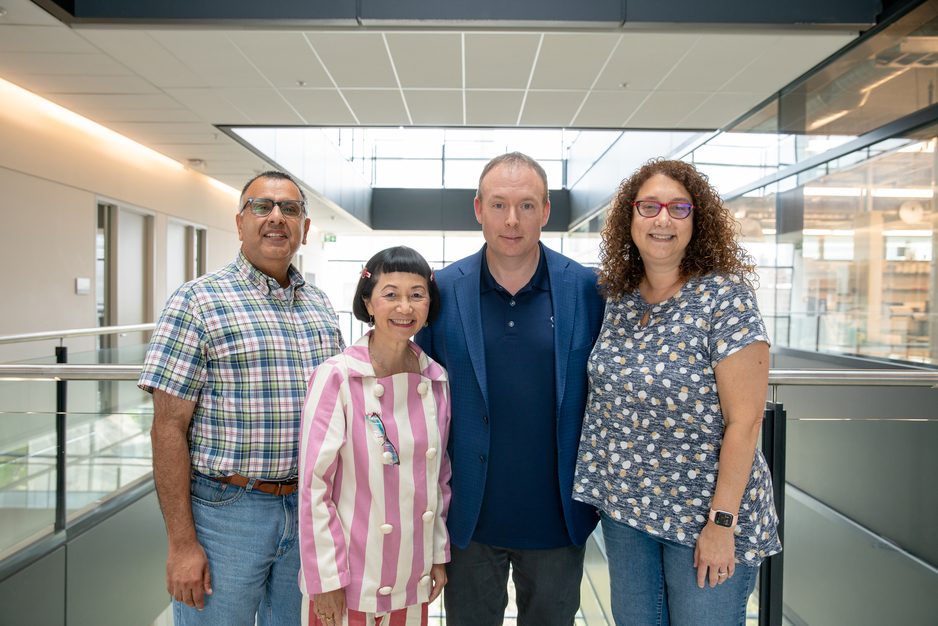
(168,88)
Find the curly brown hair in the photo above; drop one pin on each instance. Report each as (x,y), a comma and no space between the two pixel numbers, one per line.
(712,247)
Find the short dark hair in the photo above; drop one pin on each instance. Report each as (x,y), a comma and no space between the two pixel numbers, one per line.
(273,175)
(397,259)
(514,159)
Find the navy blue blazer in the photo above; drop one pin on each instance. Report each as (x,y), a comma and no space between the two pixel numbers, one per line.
(455,340)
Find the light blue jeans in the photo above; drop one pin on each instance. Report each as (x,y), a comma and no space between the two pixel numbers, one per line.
(251,540)
(653,582)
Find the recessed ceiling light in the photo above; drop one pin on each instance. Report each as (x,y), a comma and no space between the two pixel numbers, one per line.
(301,83)
(623,85)
(2,11)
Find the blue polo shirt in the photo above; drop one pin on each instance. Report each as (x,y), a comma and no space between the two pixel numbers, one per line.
(521,505)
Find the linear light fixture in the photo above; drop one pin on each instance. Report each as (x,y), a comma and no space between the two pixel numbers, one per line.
(881,192)
(907,233)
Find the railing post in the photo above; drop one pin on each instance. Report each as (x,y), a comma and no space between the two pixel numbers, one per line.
(61,408)
(770,578)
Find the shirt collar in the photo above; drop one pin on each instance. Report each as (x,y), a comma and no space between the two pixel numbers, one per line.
(362,367)
(540,280)
(264,283)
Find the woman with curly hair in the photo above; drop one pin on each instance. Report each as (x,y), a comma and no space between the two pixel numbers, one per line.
(678,380)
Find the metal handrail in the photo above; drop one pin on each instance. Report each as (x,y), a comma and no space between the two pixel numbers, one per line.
(77,332)
(780,377)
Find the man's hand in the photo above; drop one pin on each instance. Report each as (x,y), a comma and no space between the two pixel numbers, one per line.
(187,577)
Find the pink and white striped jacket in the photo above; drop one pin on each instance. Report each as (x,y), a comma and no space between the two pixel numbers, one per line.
(372,528)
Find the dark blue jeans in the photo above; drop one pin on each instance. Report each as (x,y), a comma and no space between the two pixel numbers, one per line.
(547,585)
(653,582)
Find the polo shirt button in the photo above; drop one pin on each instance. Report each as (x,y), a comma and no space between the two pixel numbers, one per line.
(482,458)
(512,303)
(511,324)
(427,516)
(485,418)
(379,390)
(422,389)
(386,529)
(431,453)
(424,581)
(385,591)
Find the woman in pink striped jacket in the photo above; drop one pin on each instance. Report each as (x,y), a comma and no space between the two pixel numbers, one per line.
(373,470)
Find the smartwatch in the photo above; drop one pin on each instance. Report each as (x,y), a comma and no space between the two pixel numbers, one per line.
(722,518)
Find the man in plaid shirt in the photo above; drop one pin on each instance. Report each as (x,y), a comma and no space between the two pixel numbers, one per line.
(227,366)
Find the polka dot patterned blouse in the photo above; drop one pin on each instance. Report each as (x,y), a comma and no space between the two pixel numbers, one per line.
(650,446)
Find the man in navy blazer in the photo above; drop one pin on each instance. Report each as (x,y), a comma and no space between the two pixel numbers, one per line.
(517,324)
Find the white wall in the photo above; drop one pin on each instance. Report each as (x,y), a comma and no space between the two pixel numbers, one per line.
(54,166)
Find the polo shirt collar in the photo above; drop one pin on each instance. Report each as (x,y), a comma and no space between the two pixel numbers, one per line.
(540,280)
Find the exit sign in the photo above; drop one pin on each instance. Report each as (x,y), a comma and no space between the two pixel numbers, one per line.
(328,238)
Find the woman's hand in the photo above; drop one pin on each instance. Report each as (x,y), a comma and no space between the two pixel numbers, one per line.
(715,550)
(329,606)
(437,580)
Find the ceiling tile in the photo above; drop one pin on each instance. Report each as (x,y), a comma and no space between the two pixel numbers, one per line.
(212,56)
(262,106)
(499,60)
(434,108)
(224,148)
(785,59)
(103,116)
(430,60)
(354,59)
(714,60)
(664,109)
(608,109)
(493,108)
(145,56)
(47,83)
(551,108)
(84,101)
(377,107)
(643,59)
(719,110)
(153,138)
(58,38)
(27,12)
(319,107)
(283,57)
(209,105)
(166,128)
(572,61)
(18,63)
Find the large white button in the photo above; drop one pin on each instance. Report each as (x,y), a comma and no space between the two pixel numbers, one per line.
(424,581)
(428,516)
(386,529)
(431,453)
(385,591)
(422,389)
(379,390)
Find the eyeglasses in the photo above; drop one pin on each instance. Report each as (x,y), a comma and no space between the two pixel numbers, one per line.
(677,210)
(389,457)
(261,207)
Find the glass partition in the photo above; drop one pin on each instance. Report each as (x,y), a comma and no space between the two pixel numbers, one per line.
(105,452)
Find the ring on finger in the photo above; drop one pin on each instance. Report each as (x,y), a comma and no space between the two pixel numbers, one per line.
(722,573)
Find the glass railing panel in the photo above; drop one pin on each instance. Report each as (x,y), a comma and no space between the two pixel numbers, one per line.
(105,453)
(27,476)
(859,546)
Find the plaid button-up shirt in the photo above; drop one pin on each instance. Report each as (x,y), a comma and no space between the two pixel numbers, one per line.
(243,348)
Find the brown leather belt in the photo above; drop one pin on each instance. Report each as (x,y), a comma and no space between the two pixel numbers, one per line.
(276,488)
